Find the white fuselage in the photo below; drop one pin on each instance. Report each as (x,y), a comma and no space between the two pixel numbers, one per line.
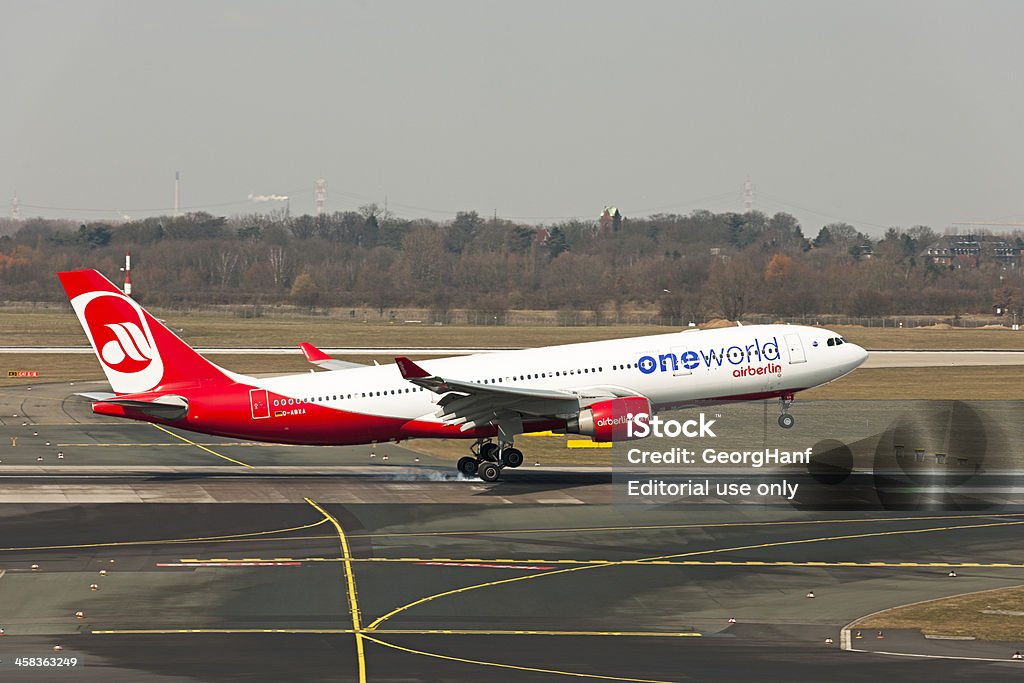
(670,370)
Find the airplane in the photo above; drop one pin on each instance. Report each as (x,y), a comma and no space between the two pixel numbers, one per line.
(593,389)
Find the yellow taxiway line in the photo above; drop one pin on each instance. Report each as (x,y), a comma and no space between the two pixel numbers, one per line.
(203,448)
(363,633)
(774,544)
(514,667)
(252,535)
(353,597)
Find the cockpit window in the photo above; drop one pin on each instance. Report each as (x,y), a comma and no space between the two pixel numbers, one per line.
(831,341)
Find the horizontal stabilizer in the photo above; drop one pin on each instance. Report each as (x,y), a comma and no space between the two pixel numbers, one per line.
(318,357)
(169,407)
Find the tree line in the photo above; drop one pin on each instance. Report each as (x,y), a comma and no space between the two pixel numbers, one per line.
(686,267)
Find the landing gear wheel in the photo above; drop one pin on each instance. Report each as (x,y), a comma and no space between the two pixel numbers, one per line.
(489,472)
(468,466)
(786,420)
(512,457)
(489,451)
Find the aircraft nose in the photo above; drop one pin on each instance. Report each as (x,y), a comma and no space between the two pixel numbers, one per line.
(860,355)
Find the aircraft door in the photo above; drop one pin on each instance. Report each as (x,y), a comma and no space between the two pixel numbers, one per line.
(796,349)
(680,369)
(260,403)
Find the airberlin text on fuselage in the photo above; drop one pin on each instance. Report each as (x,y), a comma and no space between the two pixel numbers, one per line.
(756,352)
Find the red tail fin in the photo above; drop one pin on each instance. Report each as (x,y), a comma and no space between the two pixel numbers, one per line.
(136,351)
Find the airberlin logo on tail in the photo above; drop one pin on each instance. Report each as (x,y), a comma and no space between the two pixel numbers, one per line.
(130,345)
(117,328)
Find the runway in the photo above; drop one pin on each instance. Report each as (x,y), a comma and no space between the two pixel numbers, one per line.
(485,593)
(227,561)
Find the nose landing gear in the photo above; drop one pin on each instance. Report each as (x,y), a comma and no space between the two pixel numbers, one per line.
(786,421)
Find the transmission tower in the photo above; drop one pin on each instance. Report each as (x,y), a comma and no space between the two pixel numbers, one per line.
(748,196)
(320,189)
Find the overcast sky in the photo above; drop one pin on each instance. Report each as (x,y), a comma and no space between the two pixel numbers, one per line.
(877,113)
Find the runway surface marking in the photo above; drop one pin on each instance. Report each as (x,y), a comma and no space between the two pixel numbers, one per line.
(252,535)
(202,447)
(234,563)
(774,544)
(172,631)
(478,662)
(539,564)
(532,632)
(921,656)
(255,536)
(362,633)
(655,527)
(484,565)
(400,632)
(353,597)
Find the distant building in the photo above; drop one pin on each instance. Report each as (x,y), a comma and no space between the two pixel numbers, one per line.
(970,251)
(864,252)
(611,219)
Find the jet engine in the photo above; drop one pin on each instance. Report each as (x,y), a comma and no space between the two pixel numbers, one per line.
(610,420)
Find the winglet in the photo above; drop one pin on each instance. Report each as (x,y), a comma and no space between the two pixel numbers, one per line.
(409,369)
(313,354)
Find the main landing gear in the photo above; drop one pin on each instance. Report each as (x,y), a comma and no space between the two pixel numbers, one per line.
(786,421)
(489,459)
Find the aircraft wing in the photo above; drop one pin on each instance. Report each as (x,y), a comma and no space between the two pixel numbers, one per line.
(471,404)
(318,357)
